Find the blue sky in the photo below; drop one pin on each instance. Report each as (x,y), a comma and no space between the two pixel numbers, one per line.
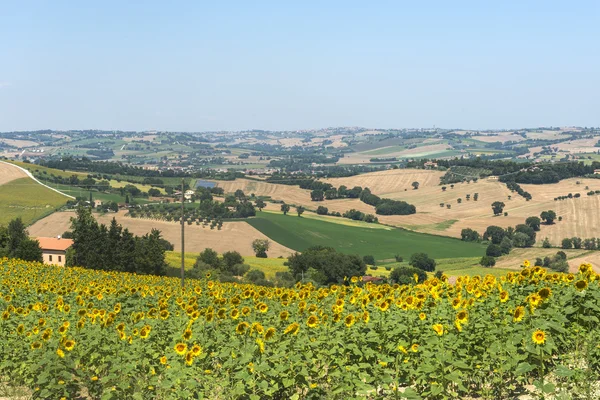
(224,65)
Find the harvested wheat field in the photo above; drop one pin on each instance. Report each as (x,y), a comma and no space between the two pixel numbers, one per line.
(232,236)
(292,195)
(9,173)
(390,182)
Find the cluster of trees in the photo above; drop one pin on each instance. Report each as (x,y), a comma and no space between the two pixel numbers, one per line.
(360,216)
(324,265)
(16,243)
(230,267)
(113,248)
(574,196)
(383,159)
(579,243)
(515,187)
(204,212)
(557,262)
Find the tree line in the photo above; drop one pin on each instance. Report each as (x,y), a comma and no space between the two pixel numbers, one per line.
(113,248)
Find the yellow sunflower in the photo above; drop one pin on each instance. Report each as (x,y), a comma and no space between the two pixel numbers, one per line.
(349,320)
(270,333)
(312,321)
(180,348)
(69,345)
(581,285)
(519,314)
(503,296)
(538,337)
(462,316)
(438,328)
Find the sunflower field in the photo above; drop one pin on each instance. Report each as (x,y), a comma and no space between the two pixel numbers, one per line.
(76,333)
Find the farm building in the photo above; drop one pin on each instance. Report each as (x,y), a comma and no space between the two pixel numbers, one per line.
(430,164)
(597,172)
(54,250)
(492,178)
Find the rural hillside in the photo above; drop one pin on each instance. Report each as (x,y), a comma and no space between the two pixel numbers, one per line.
(300,201)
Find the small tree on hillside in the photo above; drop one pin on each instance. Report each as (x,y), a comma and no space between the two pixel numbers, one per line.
(567,243)
(300,210)
(548,216)
(261,246)
(487,261)
(422,261)
(459,200)
(533,222)
(443,188)
(415,185)
(285,208)
(475,196)
(260,204)
(498,207)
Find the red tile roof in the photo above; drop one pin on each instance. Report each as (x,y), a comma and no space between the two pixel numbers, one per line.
(52,243)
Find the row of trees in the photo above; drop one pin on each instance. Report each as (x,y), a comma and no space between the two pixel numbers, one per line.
(579,243)
(16,243)
(97,246)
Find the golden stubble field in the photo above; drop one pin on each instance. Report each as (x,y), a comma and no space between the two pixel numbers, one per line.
(9,173)
(580,216)
(232,236)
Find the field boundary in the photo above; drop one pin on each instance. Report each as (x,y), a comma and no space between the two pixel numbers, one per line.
(29,174)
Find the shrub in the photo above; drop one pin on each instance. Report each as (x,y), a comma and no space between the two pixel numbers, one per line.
(322,210)
(493,250)
(406,275)
(487,261)
(422,261)
(370,260)
(567,243)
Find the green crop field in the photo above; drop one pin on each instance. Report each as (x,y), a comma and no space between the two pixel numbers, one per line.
(301,233)
(27,199)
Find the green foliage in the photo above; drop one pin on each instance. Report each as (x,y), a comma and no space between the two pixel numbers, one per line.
(369,260)
(567,243)
(406,275)
(498,207)
(469,235)
(533,222)
(97,247)
(487,261)
(493,250)
(422,261)
(261,246)
(322,210)
(548,216)
(329,265)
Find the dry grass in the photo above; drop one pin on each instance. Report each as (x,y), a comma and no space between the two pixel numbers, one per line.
(232,236)
(9,173)
(500,137)
(391,182)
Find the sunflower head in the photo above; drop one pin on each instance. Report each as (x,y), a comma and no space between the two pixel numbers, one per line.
(519,314)
(538,337)
(462,316)
(270,333)
(180,348)
(581,285)
(544,293)
(349,320)
(69,344)
(438,328)
(312,321)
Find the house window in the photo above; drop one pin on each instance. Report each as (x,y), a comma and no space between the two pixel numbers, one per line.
(59,258)
(50,258)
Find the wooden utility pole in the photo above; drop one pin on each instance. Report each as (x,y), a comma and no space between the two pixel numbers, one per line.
(182,235)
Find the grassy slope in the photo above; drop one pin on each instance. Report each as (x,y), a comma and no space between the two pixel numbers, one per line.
(26,199)
(301,233)
(267,265)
